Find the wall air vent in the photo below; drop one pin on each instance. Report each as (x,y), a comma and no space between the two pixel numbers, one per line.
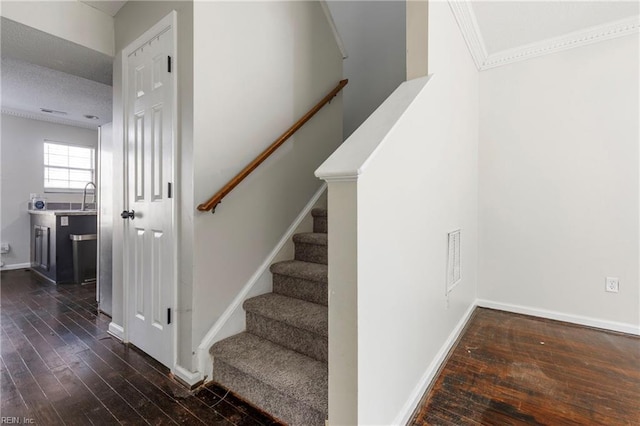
(454,270)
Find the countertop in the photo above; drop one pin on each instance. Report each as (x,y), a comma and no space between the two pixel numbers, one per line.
(64,212)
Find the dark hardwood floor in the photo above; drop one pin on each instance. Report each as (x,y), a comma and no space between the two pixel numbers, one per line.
(58,366)
(510,369)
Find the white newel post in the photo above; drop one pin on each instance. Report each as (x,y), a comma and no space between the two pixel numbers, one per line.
(343,302)
(351,373)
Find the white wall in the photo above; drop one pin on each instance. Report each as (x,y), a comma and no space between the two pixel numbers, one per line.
(69,20)
(418,182)
(374,36)
(421,185)
(259,66)
(559,182)
(22,173)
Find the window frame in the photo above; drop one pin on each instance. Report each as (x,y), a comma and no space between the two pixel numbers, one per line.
(62,190)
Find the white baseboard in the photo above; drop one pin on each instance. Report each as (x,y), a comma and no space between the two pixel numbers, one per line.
(186,376)
(560,316)
(116,331)
(16,266)
(429,375)
(219,330)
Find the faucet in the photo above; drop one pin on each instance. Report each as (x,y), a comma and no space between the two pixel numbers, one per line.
(84,195)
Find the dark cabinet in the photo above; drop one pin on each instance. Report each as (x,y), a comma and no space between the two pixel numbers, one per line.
(51,245)
(41,246)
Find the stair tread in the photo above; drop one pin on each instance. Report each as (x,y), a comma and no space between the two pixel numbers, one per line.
(319,212)
(317,238)
(294,312)
(292,373)
(304,270)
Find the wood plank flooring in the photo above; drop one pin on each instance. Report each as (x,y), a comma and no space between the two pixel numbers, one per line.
(510,369)
(58,366)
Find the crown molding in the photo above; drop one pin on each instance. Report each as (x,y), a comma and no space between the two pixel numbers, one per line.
(466,20)
(54,120)
(568,41)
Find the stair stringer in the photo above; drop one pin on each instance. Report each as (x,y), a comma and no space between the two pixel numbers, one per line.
(233,319)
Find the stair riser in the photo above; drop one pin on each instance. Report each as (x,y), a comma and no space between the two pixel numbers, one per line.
(320,224)
(296,339)
(291,411)
(314,253)
(311,291)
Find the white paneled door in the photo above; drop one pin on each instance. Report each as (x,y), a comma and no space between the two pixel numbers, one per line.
(149,227)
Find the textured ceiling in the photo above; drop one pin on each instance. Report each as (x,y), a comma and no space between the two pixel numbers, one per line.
(27,87)
(43,71)
(37,47)
(510,24)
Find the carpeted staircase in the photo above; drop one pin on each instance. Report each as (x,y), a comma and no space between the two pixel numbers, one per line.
(279,363)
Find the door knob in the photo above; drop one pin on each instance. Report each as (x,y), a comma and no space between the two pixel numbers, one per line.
(127,215)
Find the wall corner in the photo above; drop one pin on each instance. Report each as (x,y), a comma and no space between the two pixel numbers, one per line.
(417,38)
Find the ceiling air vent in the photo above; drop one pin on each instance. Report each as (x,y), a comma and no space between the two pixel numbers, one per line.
(52,111)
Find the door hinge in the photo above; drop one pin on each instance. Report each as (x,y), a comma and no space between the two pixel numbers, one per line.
(169,63)
(168,315)
(169,190)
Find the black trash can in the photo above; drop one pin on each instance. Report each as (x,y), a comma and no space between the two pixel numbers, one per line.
(84,257)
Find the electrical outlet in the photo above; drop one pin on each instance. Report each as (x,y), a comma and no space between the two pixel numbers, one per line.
(612,284)
(4,248)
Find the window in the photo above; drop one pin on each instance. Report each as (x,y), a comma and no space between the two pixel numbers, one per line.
(67,167)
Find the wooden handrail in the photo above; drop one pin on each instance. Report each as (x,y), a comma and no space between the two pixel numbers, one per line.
(215,200)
